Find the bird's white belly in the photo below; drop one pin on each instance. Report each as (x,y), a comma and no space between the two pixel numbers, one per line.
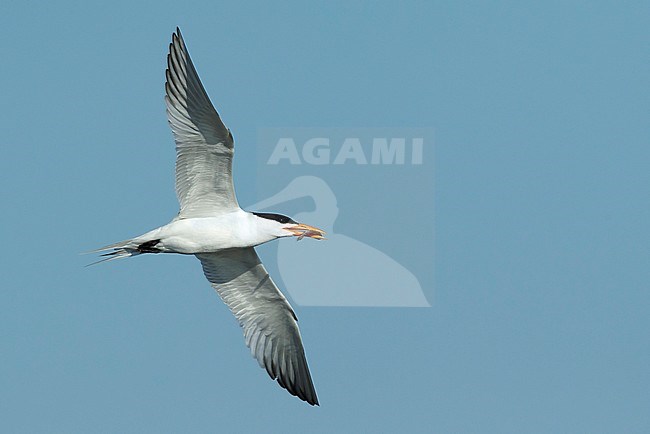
(209,234)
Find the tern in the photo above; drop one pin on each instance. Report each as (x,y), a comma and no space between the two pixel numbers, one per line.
(212,226)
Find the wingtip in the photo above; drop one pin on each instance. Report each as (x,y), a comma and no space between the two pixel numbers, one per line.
(310,397)
(178,35)
(177,41)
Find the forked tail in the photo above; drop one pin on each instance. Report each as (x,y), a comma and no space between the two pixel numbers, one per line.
(124,249)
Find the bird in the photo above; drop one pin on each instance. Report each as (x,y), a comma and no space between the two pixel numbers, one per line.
(213,227)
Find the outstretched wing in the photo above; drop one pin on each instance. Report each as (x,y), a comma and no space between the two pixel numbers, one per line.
(204,146)
(269,323)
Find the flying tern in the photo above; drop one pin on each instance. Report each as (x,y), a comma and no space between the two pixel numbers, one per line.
(212,226)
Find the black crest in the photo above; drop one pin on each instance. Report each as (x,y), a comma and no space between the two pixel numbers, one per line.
(277,217)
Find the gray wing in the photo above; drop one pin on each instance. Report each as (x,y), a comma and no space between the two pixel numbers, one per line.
(204,146)
(269,323)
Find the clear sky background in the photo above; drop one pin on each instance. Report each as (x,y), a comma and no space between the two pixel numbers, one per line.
(540,296)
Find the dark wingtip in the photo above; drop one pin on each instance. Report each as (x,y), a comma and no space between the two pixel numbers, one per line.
(177,38)
(309,396)
(178,35)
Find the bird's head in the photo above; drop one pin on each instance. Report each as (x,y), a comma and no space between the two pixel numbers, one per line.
(282,226)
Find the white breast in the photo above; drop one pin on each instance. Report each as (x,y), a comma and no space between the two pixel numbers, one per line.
(210,234)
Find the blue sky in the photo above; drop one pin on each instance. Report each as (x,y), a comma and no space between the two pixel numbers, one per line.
(539,291)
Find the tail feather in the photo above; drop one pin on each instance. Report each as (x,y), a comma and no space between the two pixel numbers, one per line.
(123,249)
(120,245)
(117,254)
